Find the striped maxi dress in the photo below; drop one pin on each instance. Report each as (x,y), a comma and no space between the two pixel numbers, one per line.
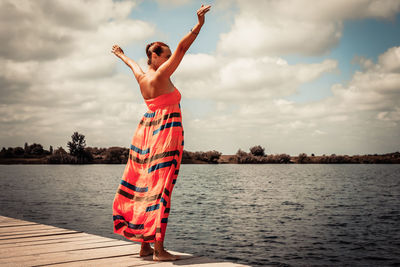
(142,202)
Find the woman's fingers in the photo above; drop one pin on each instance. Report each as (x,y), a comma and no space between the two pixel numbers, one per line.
(116,49)
(203,9)
(206,7)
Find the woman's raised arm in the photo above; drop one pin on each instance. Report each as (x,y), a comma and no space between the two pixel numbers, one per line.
(169,66)
(137,70)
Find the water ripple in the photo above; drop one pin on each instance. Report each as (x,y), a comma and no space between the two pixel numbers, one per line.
(261,215)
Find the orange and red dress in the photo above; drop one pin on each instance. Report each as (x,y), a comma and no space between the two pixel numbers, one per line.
(143,200)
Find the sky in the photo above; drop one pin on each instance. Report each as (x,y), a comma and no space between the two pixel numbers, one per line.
(291,76)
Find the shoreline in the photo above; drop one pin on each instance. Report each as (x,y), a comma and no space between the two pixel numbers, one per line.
(390,158)
(80,154)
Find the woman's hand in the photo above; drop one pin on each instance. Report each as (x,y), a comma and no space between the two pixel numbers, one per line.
(117,50)
(201,12)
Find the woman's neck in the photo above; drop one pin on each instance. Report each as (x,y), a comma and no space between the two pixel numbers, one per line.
(152,69)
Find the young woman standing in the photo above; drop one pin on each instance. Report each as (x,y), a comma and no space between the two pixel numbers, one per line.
(142,202)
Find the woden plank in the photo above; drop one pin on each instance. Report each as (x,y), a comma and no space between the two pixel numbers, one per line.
(58,247)
(27,239)
(122,261)
(58,232)
(22,224)
(18,229)
(84,254)
(75,238)
(33,232)
(44,238)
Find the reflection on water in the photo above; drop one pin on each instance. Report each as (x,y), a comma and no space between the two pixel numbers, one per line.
(254,214)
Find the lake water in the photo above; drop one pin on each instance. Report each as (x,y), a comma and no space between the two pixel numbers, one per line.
(285,215)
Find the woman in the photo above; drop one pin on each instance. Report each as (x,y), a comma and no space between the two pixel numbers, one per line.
(142,203)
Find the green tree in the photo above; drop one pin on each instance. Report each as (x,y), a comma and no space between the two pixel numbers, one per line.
(302,158)
(116,155)
(60,156)
(257,151)
(36,149)
(77,146)
(19,151)
(3,152)
(243,157)
(27,148)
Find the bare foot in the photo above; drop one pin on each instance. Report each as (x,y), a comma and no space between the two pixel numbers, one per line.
(146,250)
(163,255)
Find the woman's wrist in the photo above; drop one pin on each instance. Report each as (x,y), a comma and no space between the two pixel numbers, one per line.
(196,29)
(192,31)
(122,57)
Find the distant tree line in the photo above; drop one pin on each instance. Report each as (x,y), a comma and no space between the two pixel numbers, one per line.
(78,153)
(200,156)
(28,151)
(257,155)
(389,158)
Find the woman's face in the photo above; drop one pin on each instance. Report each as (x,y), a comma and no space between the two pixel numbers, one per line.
(164,56)
(166,53)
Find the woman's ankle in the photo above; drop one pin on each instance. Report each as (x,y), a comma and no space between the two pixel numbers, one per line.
(145,245)
(159,246)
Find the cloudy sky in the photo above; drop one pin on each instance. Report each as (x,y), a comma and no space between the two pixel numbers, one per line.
(292,76)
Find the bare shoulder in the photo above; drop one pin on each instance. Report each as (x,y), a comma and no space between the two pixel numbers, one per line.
(152,86)
(144,86)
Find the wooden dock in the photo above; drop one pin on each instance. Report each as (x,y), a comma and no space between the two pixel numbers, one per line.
(24,243)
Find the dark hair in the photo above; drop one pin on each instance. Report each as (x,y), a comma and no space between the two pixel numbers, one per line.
(155,47)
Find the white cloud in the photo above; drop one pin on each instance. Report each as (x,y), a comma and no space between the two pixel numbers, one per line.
(45,30)
(318,132)
(172,3)
(234,79)
(295,26)
(354,118)
(375,88)
(59,73)
(249,72)
(393,115)
(59,76)
(390,60)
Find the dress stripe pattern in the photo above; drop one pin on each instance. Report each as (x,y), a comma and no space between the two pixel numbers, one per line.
(143,199)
